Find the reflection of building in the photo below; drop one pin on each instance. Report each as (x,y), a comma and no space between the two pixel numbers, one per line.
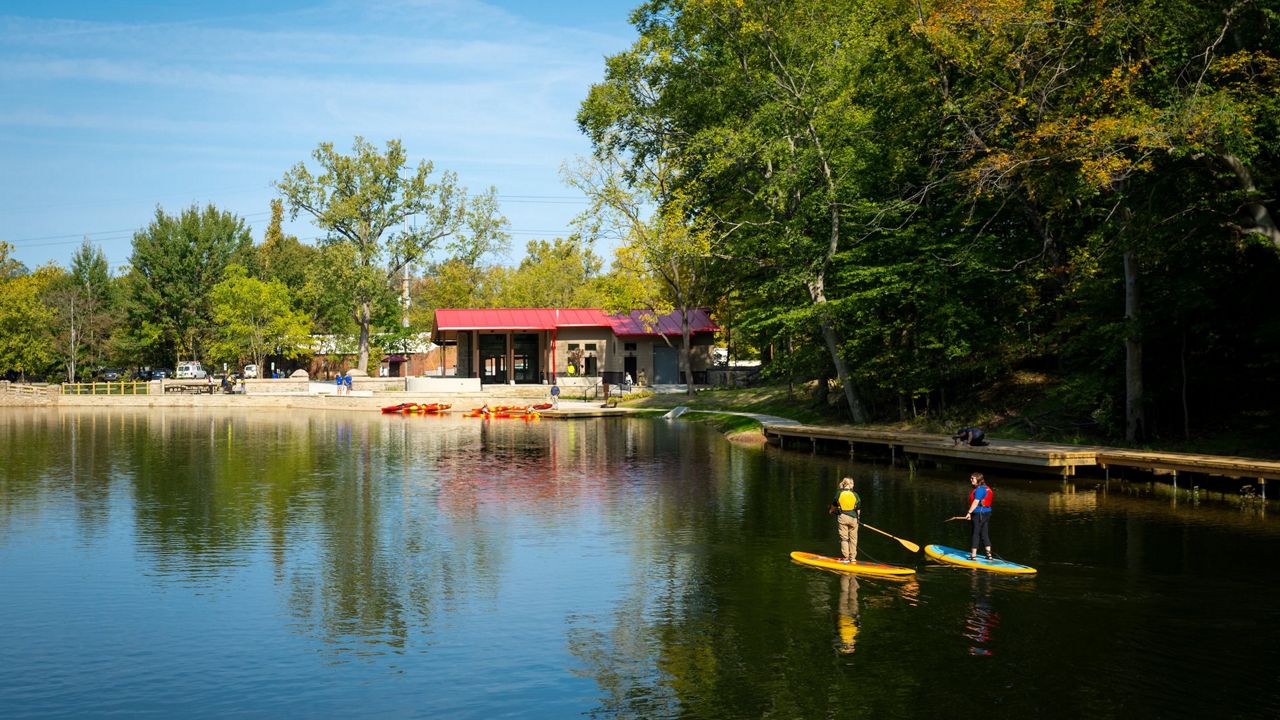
(537,345)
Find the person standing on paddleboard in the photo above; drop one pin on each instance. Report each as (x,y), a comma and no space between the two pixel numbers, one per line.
(846,507)
(980,514)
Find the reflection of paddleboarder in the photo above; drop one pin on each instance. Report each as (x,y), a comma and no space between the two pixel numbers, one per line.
(847,620)
(981,621)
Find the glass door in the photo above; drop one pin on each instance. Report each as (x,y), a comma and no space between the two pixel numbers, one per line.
(493,358)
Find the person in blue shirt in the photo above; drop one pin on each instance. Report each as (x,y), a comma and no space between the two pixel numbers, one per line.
(979,513)
(970,436)
(347,381)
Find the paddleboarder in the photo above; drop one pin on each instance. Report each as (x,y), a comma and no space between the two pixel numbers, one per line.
(979,513)
(846,507)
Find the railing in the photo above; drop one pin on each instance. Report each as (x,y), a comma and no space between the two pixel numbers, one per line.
(23,389)
(106,388)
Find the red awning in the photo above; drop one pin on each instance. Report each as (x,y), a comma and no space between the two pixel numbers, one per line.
(518,318)
(631,325)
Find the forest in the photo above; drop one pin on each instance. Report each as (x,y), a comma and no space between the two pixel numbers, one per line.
(1057,215)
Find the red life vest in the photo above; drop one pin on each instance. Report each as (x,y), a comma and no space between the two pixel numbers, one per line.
(985,502)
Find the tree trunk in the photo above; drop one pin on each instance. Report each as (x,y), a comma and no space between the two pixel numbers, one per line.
(1263,223)
(1135,420)
(685,342)
(832,339)
(363,363)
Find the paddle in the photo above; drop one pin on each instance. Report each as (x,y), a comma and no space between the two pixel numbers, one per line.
(958,517)
(905,543)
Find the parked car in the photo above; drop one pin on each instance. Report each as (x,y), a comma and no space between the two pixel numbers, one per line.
(192,370)
(111,374)
(141,374)
(161,374)
(251,371)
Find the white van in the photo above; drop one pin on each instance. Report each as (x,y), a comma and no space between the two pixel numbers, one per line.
(251,371)
(190,371)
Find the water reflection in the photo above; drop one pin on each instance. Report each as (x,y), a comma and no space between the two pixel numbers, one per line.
(847,616)
(982,618)
(436,567)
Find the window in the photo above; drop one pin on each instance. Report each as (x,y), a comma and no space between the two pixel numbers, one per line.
(591,347)
(573,346)
(629,347)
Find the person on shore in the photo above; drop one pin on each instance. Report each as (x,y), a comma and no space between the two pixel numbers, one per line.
(970,436)
(847,506)
(979,513)
(555,397)
(347,382)
(338,380)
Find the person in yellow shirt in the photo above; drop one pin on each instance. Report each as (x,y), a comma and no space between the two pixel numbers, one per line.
(847,506)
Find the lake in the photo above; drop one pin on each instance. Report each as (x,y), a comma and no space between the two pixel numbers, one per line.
(181,562)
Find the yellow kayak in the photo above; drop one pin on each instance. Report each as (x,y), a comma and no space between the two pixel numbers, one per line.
(952,556)
(860,567)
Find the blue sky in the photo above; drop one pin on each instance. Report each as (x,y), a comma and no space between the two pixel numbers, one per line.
(110,109)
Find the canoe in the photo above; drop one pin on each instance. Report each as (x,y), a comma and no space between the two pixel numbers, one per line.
(861,567)
(952,556)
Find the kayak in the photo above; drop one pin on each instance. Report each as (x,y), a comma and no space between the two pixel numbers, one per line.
(408,408)
(861,567)
(429,408)
(952,556)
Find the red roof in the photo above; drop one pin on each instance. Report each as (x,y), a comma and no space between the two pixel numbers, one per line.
(638,322)
(519,318)
(633,324)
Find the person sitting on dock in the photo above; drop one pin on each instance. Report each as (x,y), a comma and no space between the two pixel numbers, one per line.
(847,506)
(970,436)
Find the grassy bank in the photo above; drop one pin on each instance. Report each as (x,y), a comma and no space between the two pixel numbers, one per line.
(1022,408)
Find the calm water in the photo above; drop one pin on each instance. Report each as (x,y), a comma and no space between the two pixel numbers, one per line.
(175,563)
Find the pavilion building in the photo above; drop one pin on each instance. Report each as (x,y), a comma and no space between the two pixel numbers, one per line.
(572,345)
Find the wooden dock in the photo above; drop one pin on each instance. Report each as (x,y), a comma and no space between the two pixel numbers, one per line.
(1052,458)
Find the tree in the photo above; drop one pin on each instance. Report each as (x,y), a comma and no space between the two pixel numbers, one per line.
(26,321)
(176,262)
(665,253)
(365,205)
(81,301)
(253,318)
(560,273)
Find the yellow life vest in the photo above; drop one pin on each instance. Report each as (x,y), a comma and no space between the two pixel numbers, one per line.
(850,503)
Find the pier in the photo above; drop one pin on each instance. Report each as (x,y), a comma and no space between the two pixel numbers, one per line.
(1050,458)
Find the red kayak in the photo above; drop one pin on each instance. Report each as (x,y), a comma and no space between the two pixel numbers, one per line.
(429,408)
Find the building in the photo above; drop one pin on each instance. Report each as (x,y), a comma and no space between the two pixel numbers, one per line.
(572,345)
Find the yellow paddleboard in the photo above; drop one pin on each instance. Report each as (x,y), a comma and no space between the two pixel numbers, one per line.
(952,556)
(861,567)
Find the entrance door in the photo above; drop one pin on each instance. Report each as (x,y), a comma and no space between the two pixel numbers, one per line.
(525,347)
(493,358)
(629,366)
(666,365)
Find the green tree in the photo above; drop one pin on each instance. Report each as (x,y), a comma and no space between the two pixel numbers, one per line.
(26,322)
(253,318)
(176,262)
(365,205)
(81,301)
(559,273)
